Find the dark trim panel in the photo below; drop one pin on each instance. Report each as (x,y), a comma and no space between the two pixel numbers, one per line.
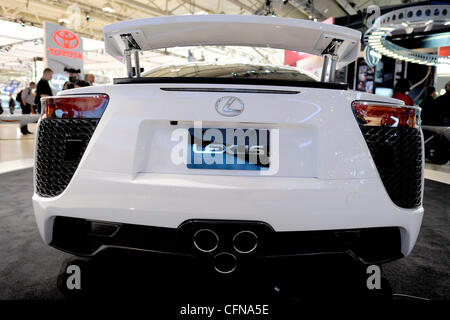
(232,90)
(87,238)
(261,82)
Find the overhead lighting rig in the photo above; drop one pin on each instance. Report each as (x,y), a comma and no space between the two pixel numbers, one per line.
(407,19)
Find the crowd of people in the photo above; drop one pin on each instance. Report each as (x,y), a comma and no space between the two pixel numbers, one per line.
(435,111)
(29,99)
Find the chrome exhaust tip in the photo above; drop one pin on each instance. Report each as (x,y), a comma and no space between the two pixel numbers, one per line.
(245,242)
(225,262)
(206,240)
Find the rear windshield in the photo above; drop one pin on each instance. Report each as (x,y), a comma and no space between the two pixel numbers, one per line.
(229,71)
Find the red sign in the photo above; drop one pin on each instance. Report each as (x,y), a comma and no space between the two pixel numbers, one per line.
(65,53)
(444,51)
(291,57)
(66,39)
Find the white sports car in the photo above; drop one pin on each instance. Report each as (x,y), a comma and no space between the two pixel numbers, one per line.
(229,162)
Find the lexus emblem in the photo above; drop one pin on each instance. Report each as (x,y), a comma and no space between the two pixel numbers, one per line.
(229,106)
(66,39)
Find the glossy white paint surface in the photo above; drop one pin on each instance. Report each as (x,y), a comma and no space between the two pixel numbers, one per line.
(254,31)
(326,180)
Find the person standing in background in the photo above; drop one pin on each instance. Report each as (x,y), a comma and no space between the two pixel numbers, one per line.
(43,88)
(28,99)
(90,79)
(68,85)
(443,105)
(401,90)
(81,83)
(430,112)
(12,104)
(27,104)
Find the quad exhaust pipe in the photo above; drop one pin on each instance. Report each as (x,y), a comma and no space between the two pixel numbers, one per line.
(206,240)
(245,242)
(225,262)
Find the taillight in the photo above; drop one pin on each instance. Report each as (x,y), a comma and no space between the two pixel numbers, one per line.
(378,114)
(74,106)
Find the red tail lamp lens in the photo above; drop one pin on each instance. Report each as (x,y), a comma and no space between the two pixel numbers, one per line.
(70,107)
(373,114)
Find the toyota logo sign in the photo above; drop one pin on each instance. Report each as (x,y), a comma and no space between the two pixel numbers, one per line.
(66,39)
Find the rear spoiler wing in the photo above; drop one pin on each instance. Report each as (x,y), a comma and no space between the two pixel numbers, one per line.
(339,45)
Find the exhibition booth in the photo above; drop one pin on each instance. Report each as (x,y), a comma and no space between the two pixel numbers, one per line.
(225,158)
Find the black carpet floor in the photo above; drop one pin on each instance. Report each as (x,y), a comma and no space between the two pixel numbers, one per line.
(28,268)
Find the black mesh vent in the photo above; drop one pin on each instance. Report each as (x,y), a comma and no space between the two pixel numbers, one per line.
(60,146)
(397,153)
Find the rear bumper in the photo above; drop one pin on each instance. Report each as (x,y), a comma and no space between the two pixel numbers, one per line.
(286,204)
(87,238)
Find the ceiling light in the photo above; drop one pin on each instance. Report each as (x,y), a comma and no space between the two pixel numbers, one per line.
(428,22)
(108,9)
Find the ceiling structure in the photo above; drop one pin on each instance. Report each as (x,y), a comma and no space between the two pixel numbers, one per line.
(415,20)
(88,17)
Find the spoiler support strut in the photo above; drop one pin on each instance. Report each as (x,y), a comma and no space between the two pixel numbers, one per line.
(328,69)
(341,44)
(330,54)
(131,46)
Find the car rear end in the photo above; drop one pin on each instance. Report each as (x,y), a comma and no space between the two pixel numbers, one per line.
(258,165)
(345,174)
